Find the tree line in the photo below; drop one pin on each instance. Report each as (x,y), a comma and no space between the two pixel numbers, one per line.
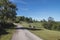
(25,19)
(51,24)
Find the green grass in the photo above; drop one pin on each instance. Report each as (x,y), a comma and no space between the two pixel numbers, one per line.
(7,36)
(25,24)
(47,34)
(38,25)
(44,33)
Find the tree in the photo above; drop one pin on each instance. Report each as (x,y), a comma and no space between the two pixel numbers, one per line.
(50,19)
(7,13)
(22,18)
(7,10)
(44,23)
(30,20)
(49,24)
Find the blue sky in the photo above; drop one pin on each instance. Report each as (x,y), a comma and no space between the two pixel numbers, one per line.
(38,9)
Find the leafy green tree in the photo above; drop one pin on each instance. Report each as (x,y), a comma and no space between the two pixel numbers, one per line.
(30,20)
(49,24)
(7,10)
(44,23)
(22,18)
(7,13)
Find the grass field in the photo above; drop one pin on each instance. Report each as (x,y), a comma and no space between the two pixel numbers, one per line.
(44,33)
(7,36)
(47,34)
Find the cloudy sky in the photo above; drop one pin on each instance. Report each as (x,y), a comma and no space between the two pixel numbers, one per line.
(38,9)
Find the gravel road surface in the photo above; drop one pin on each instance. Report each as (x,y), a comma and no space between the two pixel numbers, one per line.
(24,34)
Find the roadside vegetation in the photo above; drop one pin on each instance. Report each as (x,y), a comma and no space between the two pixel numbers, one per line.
(46,33)
(7,17)
(7,36)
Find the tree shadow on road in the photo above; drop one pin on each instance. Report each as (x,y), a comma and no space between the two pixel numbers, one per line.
(28,28)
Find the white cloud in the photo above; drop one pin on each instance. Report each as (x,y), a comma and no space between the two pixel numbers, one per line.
(23,2)
(19,1)
(25,9)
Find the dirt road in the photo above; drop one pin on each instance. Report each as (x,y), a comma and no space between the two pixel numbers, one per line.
(24,34)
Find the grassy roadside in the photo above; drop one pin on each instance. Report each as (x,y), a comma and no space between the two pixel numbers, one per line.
(24,24)
(44,33)
(47,34)
(7,36)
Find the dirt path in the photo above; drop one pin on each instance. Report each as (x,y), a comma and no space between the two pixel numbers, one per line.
(23,34)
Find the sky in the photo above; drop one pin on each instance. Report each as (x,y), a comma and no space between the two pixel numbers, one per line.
(38,9)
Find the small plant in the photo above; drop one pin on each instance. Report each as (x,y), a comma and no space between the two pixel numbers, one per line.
(34,27)
(30,26)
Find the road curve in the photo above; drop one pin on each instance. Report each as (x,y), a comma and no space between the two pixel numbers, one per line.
(23,34)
